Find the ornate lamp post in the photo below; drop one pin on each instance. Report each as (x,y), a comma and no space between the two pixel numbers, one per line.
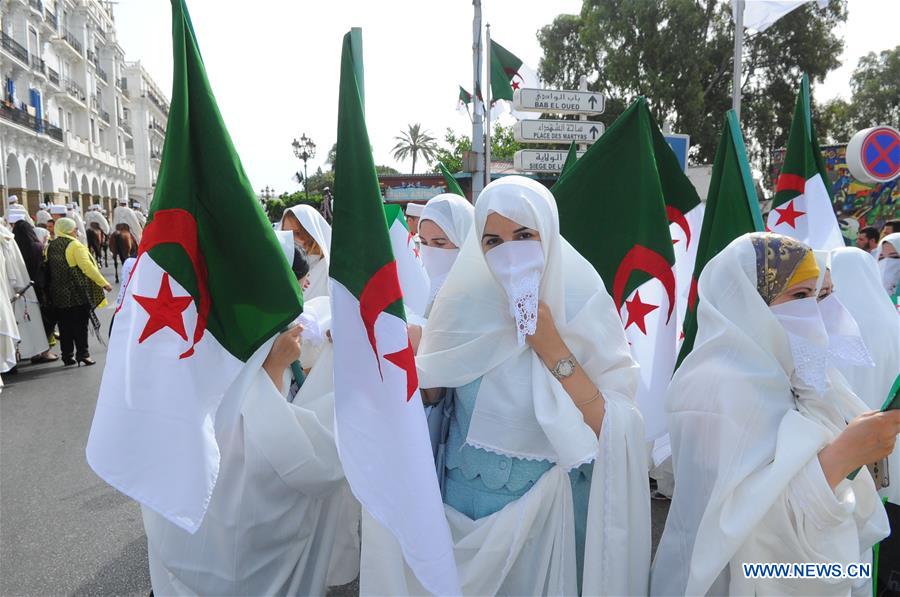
(305,150)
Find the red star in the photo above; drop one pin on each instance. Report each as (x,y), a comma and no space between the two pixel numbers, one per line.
(514,85)
(637,311)
(165,311)
(409,239)
(406,360)
(788,214)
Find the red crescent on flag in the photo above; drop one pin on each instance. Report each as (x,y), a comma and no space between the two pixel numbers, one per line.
(177,226)
(675,216)
(382,289)
(649,261)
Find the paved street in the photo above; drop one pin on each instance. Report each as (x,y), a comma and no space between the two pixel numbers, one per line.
(63,531)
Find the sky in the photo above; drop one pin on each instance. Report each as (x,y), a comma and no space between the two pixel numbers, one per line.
(274,64)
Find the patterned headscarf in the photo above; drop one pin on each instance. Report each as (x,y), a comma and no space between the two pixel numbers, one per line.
(777,258)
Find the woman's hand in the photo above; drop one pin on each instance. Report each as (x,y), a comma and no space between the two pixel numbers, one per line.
(546,341)
(285,350)
(415,336)
(868,438)
(107,288)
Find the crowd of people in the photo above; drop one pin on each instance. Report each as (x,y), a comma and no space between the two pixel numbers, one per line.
(53,285)
(528,384)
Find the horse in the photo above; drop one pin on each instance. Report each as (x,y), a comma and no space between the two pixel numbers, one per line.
(97,244)
(122,245)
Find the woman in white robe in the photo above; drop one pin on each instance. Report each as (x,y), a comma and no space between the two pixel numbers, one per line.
(443,226)
(858,285)
(889,266)
(760,443)
(32,338)
(313,233)
(543,486)
(9,331)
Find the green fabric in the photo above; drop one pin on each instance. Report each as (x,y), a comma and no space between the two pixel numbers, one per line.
(571,158)
(464,96)
(504,65)
(452,185)
(393,212)
(679,192)
(803,156)
(358,211)
(612,199)
(254,294)
(732,209)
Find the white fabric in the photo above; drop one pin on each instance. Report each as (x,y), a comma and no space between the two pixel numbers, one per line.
(414,210)
(410,271)
(438,262)
(270,526)
(125,215)
(518,267)
(759,15)
(27,309)
(15,216)
(80,232)
(522,411)
(43,235)
(808,340)
(857,284)
(452,213)
(58,210)
(889,268)
(42,216)
(12,199)
(9,331)
(94,216)
(748,482)
(845,342)
(316,320)
(816,226)
(313,222)
(127,267)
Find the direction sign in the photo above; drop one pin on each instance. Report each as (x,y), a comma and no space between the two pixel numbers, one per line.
(873,155)
(557,131)
(558,101)
(540,160)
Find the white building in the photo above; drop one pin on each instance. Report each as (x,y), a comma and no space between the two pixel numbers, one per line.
(148,114)
(64,113)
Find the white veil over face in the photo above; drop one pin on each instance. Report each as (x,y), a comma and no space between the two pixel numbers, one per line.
(738,435)
(313,222)
(521,410)
(454,214)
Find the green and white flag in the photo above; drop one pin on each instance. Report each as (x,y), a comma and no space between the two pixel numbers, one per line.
(452,184)
(202,301)
(632,251)
(732,209)
(413,278)
(509,73)
(802,207)
(381,431)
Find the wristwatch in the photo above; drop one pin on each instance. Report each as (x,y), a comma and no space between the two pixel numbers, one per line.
(564,367)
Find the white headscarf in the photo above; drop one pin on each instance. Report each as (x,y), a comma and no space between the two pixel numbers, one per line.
(521,410)
(738,435)
(313,222)
(890,268)
(454,215)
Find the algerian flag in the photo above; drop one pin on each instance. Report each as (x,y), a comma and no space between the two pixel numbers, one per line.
(732,209)
(381,431)
(465,98)
(413,278)
(508,73)
(633,251)
(685,213)
(200,302)
(452,184)
(802,206)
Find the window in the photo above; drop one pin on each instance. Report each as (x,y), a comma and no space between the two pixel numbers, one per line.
(34,48)
(93,134)
(69,121)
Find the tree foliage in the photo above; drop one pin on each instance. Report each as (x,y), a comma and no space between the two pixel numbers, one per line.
(415,142)
(678,53)
(455,146)
(876,89)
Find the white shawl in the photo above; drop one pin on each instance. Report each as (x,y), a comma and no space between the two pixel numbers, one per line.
(522,411)
(313,222)
(749,487)
(27,309)
(454,215)
(125,215)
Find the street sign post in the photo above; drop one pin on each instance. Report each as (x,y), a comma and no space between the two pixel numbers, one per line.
(557,131)
(540,160)
(680,144)
(558,101)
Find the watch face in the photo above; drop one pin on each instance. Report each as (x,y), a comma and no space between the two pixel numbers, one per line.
(565,368)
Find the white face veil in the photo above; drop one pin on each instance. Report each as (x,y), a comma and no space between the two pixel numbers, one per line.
(738,435)
(521,410)
(890,268)
(454,215)
(313,222)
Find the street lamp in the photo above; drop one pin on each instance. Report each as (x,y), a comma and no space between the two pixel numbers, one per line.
(305,150)
(266,194)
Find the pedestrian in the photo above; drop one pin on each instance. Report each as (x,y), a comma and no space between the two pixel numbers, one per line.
(33,312)
(867,240)
(760,437)
(444,225)
(313,234)
(413,213)
(125,215)
(545,475)
(890,227)
(889,264)
(76,289)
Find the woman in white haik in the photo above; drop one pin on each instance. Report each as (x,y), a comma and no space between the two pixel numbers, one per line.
(889,263)
(273,522)
(857,285)
(760,442)
(524,338)
(313,233)
(443,226)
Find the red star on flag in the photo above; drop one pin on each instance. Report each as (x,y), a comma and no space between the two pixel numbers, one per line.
(406,360)
(788,215)
(165,310)
(637,311)
(409,239)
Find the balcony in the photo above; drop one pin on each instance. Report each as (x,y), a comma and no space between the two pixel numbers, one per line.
(13,47)
(125,126)
(95,103)
(155,126)
(104,116)
(37,5)
(76,143)
(157,102)
(23,118)
(74,90)
(51,19)
(53,76)
(69,37)
(38,65)
(101,74)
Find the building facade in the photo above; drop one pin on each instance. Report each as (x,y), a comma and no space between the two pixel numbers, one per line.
(66,111)
(149,112)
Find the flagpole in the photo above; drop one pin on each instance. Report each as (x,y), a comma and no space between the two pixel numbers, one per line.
(477,163)
(488,92)
(738,9)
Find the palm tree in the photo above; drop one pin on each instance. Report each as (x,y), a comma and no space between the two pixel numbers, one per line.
(415,142)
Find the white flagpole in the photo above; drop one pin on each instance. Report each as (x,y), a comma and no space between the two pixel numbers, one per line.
(738,10)
(477,163)
(488,92)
